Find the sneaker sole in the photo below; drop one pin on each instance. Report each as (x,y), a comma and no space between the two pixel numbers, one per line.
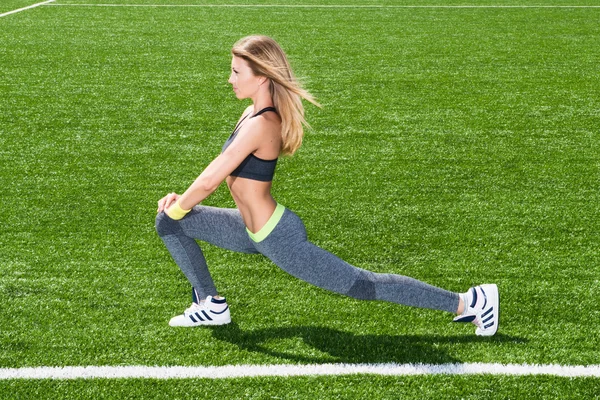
(204,323)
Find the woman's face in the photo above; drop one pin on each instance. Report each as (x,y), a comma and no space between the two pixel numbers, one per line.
(245,83)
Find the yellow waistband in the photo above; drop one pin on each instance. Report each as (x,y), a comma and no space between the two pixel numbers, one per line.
(269,226)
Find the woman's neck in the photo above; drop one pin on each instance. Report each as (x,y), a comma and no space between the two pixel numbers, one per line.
(262,100)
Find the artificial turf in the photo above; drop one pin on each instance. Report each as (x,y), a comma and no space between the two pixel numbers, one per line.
(456,146)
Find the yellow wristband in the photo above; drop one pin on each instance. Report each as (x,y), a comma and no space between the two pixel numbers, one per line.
(176,212)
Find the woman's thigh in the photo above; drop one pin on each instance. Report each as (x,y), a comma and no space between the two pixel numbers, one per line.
(287,246)
(222,227)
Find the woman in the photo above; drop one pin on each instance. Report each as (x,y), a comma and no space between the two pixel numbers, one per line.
(271,126)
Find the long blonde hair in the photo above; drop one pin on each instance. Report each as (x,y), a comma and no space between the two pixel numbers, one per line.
(266,58)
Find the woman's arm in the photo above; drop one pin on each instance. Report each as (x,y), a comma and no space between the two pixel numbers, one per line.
(247,141)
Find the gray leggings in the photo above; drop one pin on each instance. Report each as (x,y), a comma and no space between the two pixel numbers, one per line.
(287,246)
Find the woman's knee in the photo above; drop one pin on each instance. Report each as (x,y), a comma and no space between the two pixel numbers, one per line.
(363,287)
(165,225)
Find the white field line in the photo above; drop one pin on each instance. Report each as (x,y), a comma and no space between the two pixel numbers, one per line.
(26,8)
(317,6)
(288,370)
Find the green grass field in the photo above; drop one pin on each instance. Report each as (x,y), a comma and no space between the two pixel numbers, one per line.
(455,145)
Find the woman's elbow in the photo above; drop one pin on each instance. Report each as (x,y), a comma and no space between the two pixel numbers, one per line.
(208,184)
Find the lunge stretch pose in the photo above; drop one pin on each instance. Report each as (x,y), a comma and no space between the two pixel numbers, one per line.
(271,126)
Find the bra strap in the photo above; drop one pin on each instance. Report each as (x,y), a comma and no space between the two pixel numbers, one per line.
(264,110)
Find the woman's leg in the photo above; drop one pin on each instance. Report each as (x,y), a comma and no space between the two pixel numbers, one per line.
(287,246)
(219,226)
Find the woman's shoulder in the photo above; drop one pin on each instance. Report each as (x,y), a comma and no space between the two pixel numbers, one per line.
(261,125)
(265,130)
(266,122)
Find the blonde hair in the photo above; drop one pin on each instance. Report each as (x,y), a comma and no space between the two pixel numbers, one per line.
(266,58)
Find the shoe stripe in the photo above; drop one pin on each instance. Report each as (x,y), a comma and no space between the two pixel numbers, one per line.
(474,301)
(488,318)
(192,318)
(484,298)
(487,312)
(219,312)
(488,325)
(206,315)
(199,317)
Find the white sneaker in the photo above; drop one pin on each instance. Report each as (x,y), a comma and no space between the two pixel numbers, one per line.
(209,312)
(482,309)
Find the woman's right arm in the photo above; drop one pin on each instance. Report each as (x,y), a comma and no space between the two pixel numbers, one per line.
(247,141)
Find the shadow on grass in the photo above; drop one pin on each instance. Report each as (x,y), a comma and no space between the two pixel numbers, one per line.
(313,344)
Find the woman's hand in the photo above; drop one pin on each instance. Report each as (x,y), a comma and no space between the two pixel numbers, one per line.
(167,201)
